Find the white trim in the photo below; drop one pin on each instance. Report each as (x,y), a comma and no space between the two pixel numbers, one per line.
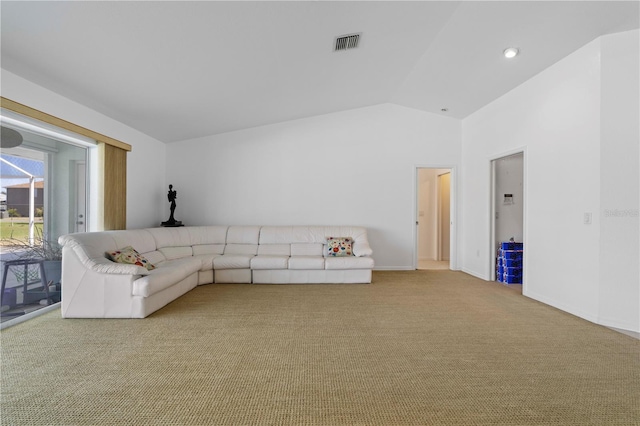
(439,215)
(453,245)
(30,315)
(492,212)
(630,333)
(51,132)
(41,128)
(474,274)
(582,314)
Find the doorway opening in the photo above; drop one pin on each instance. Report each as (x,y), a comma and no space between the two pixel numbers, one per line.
(507,224)
(433,218)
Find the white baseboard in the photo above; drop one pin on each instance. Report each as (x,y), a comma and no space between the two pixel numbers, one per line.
(630,333)
(563,307)
(475,274)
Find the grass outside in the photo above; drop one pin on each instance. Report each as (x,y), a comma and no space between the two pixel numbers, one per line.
(16,228)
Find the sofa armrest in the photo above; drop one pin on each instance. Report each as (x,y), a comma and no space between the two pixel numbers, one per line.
(361,247)
(97,288)
(101,265)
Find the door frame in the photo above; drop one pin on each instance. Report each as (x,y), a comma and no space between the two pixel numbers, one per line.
(439,214)
(80,182)
(453,202)
(492,210)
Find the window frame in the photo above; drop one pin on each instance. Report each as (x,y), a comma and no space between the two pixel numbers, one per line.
(111,180)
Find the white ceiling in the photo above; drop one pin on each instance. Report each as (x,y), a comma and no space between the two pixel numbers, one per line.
(181,70)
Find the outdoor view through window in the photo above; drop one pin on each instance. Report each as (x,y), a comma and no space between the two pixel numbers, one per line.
(43,196)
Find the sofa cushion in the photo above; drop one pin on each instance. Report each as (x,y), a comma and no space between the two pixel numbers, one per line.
(251,249)
(172,253)
(204,235)
(317,235)
(165,275)
(274,249)
(130,256)
(270,262)
(306,262)
(232,261)
(306,249)
(154,257)
(206,261)
(140,239)
(243,235)
(350,262)
(208,249)
(339,246)
(171,237)
(358,234)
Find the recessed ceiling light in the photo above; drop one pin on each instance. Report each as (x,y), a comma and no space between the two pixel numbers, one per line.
(511,52)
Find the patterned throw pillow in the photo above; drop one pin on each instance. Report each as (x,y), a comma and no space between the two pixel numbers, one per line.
(131,256)
(339,246)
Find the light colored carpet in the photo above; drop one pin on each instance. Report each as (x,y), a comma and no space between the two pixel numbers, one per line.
(433,264)
(413,348)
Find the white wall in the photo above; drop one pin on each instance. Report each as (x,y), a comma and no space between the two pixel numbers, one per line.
(556,118)
(350,168)
(145,163)
(619,189)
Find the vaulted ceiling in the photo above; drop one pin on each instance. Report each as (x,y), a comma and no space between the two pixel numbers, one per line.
(181,70)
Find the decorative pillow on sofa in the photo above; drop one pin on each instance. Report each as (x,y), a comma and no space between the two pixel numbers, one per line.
(131,256)
(339,246)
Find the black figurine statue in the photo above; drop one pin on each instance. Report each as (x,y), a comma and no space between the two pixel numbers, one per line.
(172,195)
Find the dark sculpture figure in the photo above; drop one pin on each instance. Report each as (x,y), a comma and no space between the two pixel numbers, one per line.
(172,195)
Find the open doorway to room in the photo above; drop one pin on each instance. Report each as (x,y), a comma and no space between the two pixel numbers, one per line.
(433,218)
(507,233)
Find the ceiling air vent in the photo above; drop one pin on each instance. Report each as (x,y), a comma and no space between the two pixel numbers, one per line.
(346,42)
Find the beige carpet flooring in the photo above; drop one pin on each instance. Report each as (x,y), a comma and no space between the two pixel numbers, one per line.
(433,264)
(412,348)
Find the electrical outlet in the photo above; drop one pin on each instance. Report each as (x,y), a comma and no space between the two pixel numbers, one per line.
(587,218)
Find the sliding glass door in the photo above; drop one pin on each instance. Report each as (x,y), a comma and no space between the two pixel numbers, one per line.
(60,172)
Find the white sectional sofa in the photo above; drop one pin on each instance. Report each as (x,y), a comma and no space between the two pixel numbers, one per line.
(93,286)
